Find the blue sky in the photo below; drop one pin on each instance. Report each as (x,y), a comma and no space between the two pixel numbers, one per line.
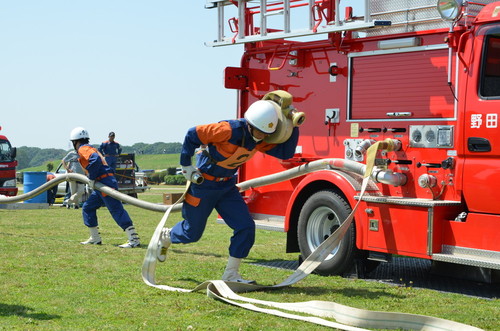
(139,68)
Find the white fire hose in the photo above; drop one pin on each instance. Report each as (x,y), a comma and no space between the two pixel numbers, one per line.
(347,318)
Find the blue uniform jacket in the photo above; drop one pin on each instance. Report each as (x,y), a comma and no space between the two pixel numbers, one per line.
(110,148)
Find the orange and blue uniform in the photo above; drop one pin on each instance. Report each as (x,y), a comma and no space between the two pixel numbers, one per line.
(97,169)
(227,145)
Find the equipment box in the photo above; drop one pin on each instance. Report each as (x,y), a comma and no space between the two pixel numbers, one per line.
(171,198)
(125,171)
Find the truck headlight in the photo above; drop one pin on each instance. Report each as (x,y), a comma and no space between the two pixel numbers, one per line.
(10,183)
(449,10)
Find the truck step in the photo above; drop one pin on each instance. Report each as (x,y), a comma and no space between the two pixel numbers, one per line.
(469,256)
(270,224)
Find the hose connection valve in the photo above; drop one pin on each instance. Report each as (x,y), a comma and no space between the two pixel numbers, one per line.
(389,177)
(387,144)
(427,181)
(362,148)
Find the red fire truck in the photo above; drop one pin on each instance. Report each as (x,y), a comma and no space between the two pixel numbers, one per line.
(8,165)
(426,77)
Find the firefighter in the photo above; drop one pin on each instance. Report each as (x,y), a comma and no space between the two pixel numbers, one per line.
(111,149)
(76,189)
(226,146)
(97,169)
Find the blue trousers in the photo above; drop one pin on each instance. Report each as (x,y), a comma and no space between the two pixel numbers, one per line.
(115,207)
(227,201)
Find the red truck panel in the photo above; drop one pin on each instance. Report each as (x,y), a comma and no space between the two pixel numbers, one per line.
(416,81)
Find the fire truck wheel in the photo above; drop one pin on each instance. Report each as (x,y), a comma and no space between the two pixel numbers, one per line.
(320,216)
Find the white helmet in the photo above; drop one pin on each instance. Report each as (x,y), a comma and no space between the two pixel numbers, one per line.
(262,116)
(78,133)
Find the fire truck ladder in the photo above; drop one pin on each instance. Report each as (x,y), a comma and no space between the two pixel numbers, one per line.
(244,32)
(395,16)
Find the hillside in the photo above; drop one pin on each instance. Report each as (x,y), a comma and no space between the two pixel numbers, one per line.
(30,158)
(145,161)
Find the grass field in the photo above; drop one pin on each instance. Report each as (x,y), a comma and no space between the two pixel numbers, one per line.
(157,161)
(48,281)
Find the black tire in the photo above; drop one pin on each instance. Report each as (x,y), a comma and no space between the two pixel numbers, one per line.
(320,216)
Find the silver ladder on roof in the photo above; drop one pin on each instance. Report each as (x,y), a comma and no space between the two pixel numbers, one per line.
(313,28)
(397,16)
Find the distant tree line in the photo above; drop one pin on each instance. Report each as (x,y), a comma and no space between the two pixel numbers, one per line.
(28,157)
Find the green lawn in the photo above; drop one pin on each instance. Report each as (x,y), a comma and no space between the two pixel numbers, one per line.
(157,161)
(48,281)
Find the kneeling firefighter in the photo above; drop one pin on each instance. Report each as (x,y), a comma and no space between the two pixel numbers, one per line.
(97,169)
(226,145)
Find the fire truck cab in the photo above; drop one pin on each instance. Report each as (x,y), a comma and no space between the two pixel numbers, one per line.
(424,75)
(8,165)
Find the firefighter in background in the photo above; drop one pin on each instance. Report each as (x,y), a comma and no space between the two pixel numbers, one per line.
(229,144)
(98,170)
(111,150)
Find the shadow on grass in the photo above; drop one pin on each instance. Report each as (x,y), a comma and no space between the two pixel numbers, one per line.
(144,246)
(195,282)
(23,311)
(346,292)
(177,251)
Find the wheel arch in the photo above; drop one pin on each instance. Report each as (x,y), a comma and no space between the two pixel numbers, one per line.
(339,181)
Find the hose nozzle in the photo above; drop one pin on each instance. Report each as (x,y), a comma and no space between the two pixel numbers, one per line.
(284,100)
(197,178)
(296,116)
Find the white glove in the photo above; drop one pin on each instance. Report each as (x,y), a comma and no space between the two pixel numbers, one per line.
(187,171)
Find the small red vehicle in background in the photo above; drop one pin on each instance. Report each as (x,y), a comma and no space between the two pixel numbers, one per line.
(8,166)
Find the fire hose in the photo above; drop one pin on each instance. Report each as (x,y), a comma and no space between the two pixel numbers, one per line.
(347,318)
